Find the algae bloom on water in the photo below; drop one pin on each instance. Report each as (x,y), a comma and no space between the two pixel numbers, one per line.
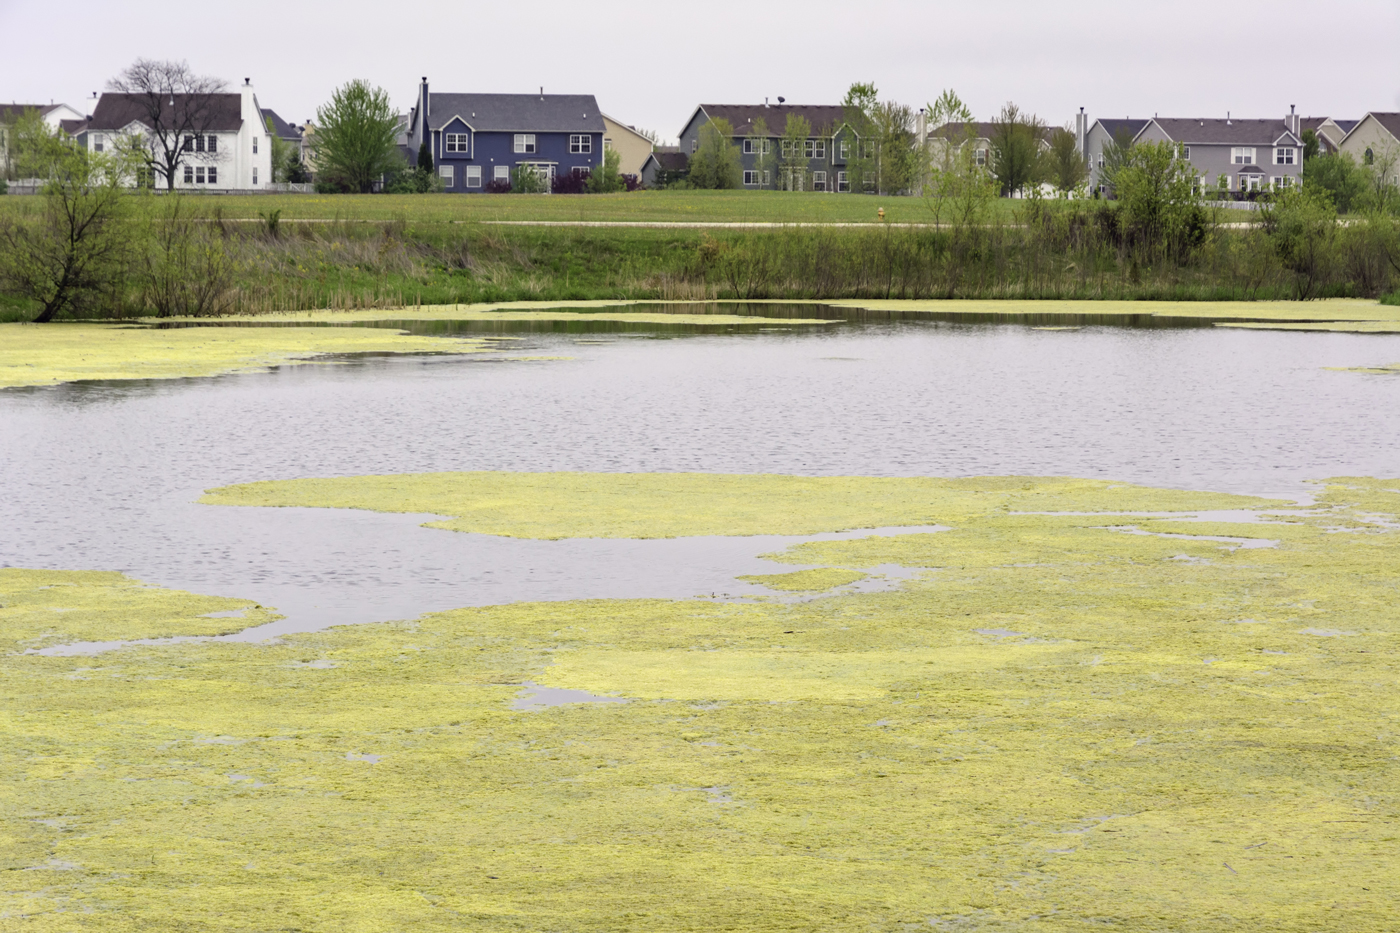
(1052,725)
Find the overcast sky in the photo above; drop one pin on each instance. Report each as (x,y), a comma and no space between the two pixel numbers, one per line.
(649,64)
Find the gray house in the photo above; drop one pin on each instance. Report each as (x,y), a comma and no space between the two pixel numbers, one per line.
(1100,136)
(1250,154)
(826,151)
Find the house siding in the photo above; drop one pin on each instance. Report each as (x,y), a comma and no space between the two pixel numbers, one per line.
(498,148)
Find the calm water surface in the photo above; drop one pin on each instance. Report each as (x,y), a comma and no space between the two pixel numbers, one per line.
(105,476)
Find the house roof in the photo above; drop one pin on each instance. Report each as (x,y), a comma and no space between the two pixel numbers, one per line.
(1389,121)
(1346,126)
(982,129)
(9,113)
(118,111)
(507,113)
(280,128)
(73,127)
(1132,126)
(824,118)
(670,160)
(1222,132)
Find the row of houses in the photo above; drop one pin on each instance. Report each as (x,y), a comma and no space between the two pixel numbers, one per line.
(476,139)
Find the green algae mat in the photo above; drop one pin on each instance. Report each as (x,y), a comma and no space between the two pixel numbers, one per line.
(1055,724)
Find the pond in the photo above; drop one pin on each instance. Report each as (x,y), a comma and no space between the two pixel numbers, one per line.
(105,476)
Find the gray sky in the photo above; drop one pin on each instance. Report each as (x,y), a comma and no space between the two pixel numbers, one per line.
(650,63)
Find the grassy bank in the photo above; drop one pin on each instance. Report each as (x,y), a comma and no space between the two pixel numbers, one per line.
(1052,726)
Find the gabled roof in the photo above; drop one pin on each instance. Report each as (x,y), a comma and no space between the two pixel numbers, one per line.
(1128,124)
(628,129)
(9,113)
(824,118)
(1205,132)
(1346,126)
(118,111)
(73,127)
(669,160)
(1390,122)
(517,113)
(280,128)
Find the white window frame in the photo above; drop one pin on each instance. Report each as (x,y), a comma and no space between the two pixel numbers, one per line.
(1242,155)
(750,177)
(199,174)
(189,174)
(843,181)
(979,156)
(446,173)
(501,173)
(255,174)
(819,181)
(98,142)
(1100,158)
(814,148)
(694,145)
(753,146)
(1285,155)
(1186,153)
(768,176)
(525,143)
(580,144)
(456,142)
(787,149)
(255,145)
(845,148)
(211,143)
(471,176)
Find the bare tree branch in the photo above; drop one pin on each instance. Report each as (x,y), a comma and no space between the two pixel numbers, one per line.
(177,106)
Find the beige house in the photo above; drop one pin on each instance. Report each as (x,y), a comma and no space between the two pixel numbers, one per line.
(1375,140)
(631,147)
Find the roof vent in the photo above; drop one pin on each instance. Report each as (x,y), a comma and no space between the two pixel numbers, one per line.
(247,80)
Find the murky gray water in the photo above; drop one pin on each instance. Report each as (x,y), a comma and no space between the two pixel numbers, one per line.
(105,476)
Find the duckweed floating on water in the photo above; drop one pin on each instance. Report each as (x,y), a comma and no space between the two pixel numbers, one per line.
(869,761)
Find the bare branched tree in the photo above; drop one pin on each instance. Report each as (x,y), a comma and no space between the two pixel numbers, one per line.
(178,107)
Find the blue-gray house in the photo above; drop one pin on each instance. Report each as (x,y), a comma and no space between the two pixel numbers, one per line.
(476,139)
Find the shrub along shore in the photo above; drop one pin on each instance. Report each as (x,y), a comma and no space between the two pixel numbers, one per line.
(181,256)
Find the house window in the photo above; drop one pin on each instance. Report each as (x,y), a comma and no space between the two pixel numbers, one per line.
(199,175)
(814,148)
(255,176)
(1186,152)
(843,181)
(213,175)
(525,142)
(755,146)
(502,173)
(189,174)
(581,171)
(1370,157)
(694,144)
(255,145)
(454,142)
(1284,156)
(787,149)
(473,176)
(1242,156)
(819,181)
(579,144)
(189,144)
(1101,158)
(980,156)
(768,177)
(867,180)
(845,149)
(445,173)
(212,144)
(750,178)
(97,142)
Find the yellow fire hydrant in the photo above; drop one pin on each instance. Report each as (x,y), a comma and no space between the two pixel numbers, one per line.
(881,212)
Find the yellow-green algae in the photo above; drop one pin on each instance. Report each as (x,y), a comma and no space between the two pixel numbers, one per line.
(806,581)
(668,505)
(49,354)
(1337,314)
(43,608)
(1057,726)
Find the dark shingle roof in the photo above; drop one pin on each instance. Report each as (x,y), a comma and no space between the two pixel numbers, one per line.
(9,113)
(72,127)
(824,118)
(118,111)
(983,129)
(1127,124)
(280,128)
(1391,122)
(509,113)
(1346,126)
(1222,132)
(671,160)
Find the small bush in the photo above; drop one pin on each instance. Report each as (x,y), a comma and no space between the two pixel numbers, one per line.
(525,180)
(497,186)
(570,183)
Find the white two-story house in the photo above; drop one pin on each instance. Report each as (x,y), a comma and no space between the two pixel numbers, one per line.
(222,140)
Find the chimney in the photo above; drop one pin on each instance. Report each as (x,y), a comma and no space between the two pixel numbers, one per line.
(1291,121)
(1081,128)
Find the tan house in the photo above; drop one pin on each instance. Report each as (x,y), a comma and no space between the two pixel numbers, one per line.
(1375,140)
(631,146)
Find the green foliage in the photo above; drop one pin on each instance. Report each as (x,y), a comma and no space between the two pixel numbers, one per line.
(4,186)
(1064,162)
(716,162)
(356,136)
(766,159)
(793,166)
(524,179)
(1016,159)
(1160,201)
(1116,154)
(416,180)
(73,255)
(1302,225)
(1337,174)
(284,154)
(181,262)
(1310,145)
(607,178)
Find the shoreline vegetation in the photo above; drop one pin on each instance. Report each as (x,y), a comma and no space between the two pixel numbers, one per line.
(1045,699)
(189,255)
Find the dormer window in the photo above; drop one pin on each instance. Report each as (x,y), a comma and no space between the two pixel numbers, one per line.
(454,142)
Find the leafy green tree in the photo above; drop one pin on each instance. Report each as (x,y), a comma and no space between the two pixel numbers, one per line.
(1310,145)
(1337,174)
(1116,154)
(1301,223)
(607,178)
(526,179)
(1160,200)
(356,136)
(425,157)
(1016,159)
(284,154)
(857,109)
(76,251)
(716,162)
(898,162)
(793,165)
(959,190)
(765,159)
(1065,162)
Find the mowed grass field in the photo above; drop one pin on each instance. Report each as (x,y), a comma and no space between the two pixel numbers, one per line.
(636,207)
